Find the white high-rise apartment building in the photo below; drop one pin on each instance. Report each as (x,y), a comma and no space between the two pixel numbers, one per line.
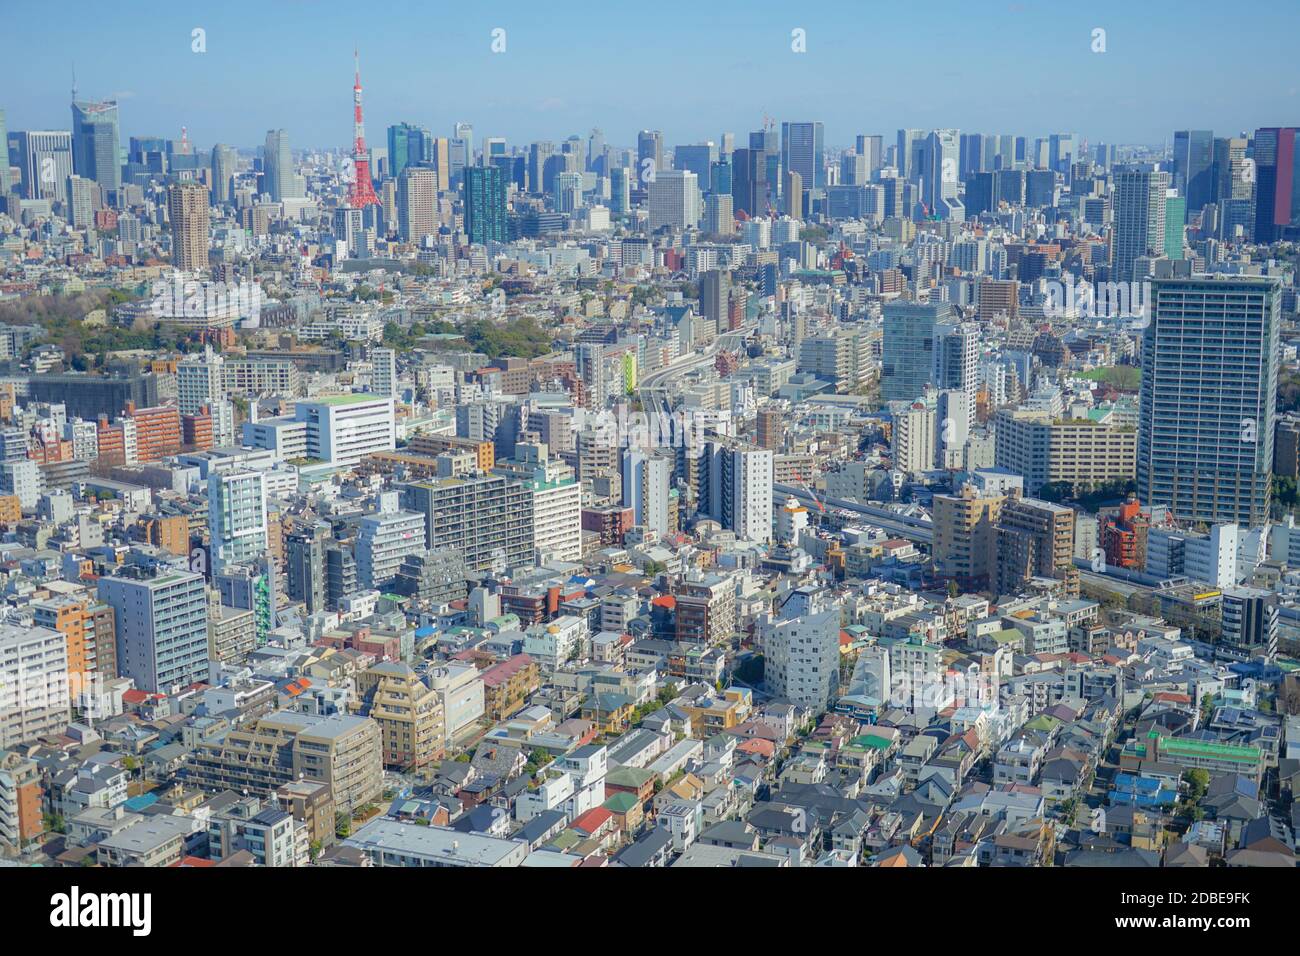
(236,516)
(383,540)
(740,490)
(914,439)
(556,500)
(201,382)
(33,683)
(161,621)
(383,374)
(646,482)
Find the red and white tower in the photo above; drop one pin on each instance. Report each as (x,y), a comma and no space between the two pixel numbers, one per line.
(362,191)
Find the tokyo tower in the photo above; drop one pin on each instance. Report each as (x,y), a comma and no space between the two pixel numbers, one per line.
(362,191)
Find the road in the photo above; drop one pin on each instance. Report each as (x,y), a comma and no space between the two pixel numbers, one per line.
(693,360)
(911,529)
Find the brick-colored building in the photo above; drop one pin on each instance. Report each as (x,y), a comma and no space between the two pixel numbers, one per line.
(507,685)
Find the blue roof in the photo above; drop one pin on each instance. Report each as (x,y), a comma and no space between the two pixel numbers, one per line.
(425,631)
(143,801)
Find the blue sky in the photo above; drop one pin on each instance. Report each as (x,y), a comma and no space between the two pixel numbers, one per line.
(692,70)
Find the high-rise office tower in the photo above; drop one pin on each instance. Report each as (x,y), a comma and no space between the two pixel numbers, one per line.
(1208,398)
(5,185)
(281,181)
(1060,152)
(908,348)
(1139,216)
(567,196)
(95,142)
(719,220)
(1175,223)
(1277,182)
(749,182)
(908,141)
(1194,166)
(459,155)
(940,160)
(871,148)
(803,152)
(674,200)
(620,190)
(853,169)
(1231,178)
(187,209)
(417,196)
(485,204)
(494,148)
(1040,187)
(970,157)
(465,133)
(236,517)
(44,162)
(715,294)
(596,151)
(225,159)
(699,159)
(793,195)
(538,154)
(649,146)
(408,145)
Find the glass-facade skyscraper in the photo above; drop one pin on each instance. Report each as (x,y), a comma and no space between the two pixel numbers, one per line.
(96,149)
(485,204)
(408,145)
(802,151)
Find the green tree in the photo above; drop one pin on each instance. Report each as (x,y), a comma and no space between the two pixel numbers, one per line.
(1198,782)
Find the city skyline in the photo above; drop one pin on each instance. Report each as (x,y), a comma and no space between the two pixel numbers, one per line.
(740,69)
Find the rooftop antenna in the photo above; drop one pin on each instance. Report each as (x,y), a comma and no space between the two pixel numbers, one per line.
(74,80)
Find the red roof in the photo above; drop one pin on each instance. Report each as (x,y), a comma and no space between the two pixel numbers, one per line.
(756,745)
(500,673)
(666,600)
(592,820)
